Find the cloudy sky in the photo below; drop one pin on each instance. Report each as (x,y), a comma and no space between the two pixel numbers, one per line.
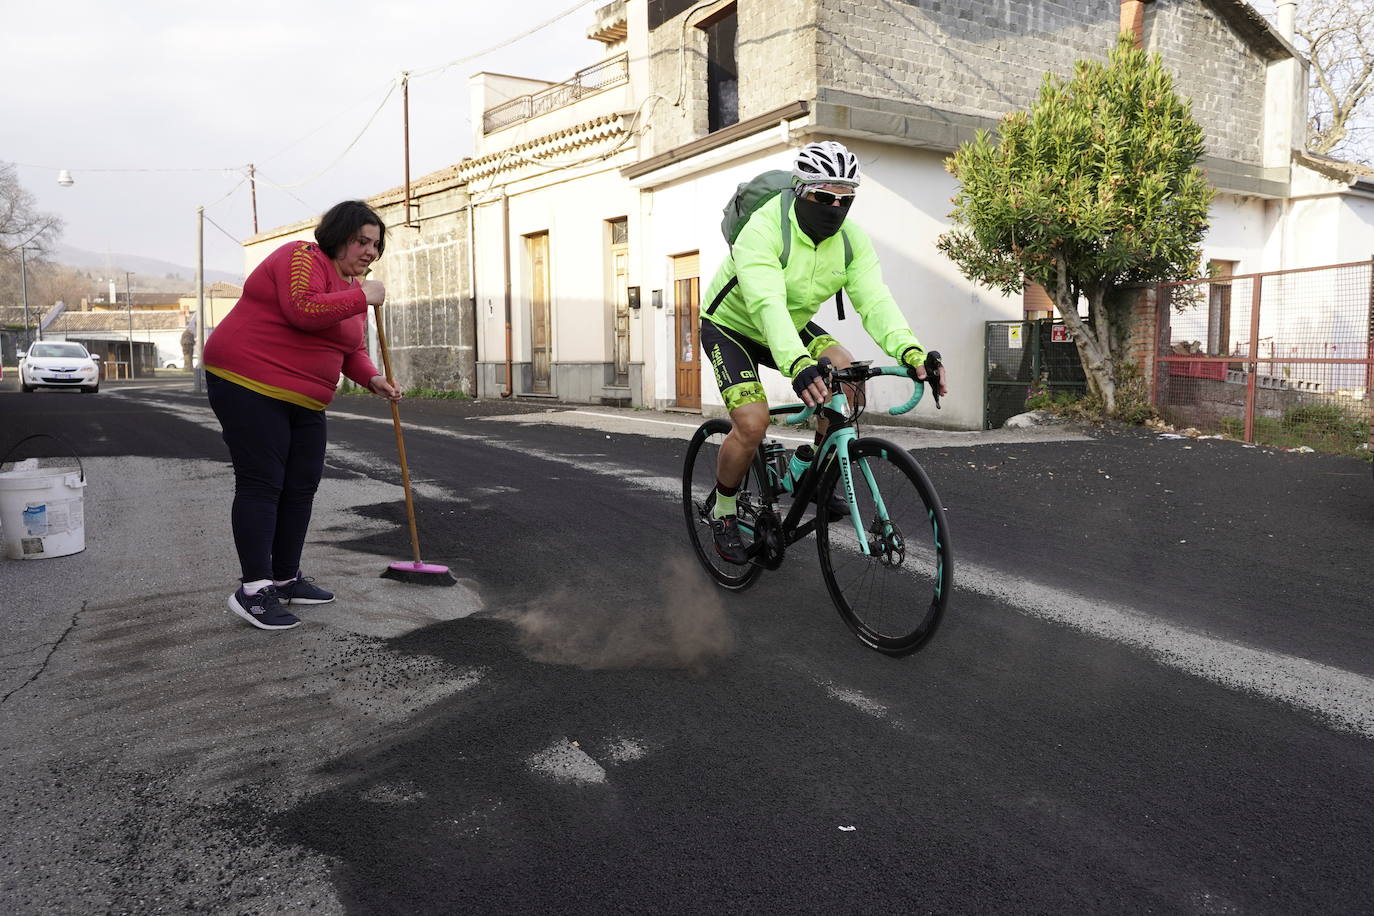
(157,106)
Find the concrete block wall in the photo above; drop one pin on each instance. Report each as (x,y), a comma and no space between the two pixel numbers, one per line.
(1212,66)
(979,57)
(429,314)
(985,58)
(775,51)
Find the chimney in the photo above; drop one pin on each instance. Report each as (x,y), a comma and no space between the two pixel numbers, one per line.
(1287,17)
(1133,19)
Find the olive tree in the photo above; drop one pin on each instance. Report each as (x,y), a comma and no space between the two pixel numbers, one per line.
(1093,188)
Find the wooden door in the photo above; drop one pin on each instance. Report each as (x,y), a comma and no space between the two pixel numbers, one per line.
(687,314)
(619,236)
(621,270)
(541,337)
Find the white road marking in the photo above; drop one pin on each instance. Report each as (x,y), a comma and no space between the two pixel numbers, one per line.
(564,761)
(624,750)
(1341,698)
(857,700)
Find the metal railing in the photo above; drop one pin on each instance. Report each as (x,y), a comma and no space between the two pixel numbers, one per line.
(1282,358)
(588,81)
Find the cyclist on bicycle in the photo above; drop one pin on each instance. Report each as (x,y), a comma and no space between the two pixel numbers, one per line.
(765,317)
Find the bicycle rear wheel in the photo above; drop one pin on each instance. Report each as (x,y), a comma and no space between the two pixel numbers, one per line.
(698,490)
(893,596)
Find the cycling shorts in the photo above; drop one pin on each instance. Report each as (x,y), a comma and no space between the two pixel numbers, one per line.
(736,358)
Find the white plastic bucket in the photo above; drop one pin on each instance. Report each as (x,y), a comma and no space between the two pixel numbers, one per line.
(41,512)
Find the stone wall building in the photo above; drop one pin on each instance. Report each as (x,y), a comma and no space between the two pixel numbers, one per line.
(427,271)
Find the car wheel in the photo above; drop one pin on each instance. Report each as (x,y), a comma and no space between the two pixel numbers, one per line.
(27,389)
(90,389)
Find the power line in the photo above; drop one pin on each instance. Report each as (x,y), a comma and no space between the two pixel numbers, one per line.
(238,242)
(499,45)
(339,158)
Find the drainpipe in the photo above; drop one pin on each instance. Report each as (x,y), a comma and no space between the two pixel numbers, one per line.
(1133,19)
(505,248)
(472,279)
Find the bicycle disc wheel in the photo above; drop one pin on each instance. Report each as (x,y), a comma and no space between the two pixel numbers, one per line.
(698,488)
(893,596)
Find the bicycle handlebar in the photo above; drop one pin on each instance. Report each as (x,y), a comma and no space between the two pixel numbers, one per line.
(863,372)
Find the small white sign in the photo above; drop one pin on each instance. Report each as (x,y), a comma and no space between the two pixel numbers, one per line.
(1014,336)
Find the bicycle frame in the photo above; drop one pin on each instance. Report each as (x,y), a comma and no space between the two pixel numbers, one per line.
(839,434)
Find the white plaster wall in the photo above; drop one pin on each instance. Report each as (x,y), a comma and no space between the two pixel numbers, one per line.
(574,213)
(903,205)
(1356,223)
(490,283)
(1239,230)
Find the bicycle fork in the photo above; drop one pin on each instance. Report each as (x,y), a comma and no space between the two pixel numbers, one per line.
(882,524)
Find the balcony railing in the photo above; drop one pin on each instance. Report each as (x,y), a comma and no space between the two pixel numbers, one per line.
(588,81)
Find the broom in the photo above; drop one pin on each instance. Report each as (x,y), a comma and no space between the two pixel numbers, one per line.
(416,572)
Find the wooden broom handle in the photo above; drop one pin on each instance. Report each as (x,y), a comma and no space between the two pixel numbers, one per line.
(400,440)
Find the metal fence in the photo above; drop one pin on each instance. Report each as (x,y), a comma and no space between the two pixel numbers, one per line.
(1281,358)
(585,82)
(1018,355)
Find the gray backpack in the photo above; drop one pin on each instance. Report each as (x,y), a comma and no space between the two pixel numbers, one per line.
(748,197)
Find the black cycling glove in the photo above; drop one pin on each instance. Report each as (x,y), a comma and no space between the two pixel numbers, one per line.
(803,379)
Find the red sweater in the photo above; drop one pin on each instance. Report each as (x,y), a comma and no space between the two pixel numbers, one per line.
(296,327)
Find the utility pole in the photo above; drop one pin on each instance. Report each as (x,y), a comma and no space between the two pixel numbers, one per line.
(253,190)
(24,282)
(199,368)
(129,295)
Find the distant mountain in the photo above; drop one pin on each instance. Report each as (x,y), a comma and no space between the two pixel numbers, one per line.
(152,274)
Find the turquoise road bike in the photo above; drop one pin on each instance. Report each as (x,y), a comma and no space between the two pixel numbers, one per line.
(887,564)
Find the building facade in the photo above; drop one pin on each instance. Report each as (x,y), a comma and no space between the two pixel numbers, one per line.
(577,239)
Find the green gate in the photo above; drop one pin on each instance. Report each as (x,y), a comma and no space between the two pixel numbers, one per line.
(1015,355)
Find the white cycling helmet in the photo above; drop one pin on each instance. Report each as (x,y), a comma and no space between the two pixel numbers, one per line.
(826,162)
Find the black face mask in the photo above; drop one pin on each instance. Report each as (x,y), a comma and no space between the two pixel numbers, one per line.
(820,221)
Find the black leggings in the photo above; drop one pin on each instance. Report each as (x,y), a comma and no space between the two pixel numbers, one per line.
(278,452)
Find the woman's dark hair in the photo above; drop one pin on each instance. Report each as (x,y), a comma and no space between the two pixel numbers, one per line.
(342,222)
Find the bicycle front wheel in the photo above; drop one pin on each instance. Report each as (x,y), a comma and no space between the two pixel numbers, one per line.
(890,581)
(698,493)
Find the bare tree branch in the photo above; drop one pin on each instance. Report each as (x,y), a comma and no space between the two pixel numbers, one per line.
(1338,38)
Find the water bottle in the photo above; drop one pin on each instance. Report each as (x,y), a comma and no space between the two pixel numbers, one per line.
(775,458)
(36,519)
(796,466)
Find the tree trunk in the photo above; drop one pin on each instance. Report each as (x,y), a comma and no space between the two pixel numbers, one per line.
(1094,343)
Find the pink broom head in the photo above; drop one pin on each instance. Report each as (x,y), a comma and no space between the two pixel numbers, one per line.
(416,573)
(414,566)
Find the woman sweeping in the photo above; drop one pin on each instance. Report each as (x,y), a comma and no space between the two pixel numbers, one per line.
(272,366)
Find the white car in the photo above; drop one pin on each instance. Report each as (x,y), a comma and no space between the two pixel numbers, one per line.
(58,364)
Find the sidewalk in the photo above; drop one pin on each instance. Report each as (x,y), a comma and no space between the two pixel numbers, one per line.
(156,676)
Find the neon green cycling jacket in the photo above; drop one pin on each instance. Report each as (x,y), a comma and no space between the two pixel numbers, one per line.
(771,302)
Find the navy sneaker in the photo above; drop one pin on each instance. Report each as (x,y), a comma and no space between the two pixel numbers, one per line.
(263,610)
(302,590)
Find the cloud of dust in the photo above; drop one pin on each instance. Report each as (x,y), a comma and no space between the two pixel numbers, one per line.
(684,627)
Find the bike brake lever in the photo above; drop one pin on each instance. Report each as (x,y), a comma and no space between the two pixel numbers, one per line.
(933,364)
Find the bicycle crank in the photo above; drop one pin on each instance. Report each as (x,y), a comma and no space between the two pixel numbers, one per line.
(769,545)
